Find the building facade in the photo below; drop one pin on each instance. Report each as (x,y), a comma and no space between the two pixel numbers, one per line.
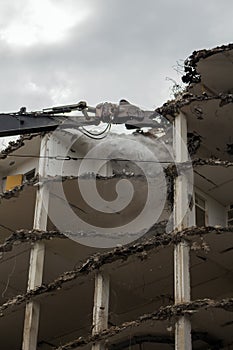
(170,287)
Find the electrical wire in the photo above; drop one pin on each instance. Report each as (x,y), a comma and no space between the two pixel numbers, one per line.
(95,136)
(66,158)
(97,133)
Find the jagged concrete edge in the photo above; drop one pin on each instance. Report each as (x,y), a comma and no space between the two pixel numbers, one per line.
(26,236)
(211,162)
(174,169)
(96,261)
(87,176)
(164,313)
(169,170)
(16,190)
(190,65)
(171,108)
(15,145)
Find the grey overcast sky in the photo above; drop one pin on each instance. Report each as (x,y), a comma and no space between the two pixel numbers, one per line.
(63,51)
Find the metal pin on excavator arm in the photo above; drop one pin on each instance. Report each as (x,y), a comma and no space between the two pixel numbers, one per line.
(49,119)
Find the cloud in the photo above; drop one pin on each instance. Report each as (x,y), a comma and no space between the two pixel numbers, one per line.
(40,22)
(118,49)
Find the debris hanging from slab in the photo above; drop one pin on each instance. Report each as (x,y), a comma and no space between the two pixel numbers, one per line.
(211,162)
(139,250)
(15,145)
(164,339)
(170,170)
(172,108)
(16,190)
(25,236)
(164,313)
(173,170)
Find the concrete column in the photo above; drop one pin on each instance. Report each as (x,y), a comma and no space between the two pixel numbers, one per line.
(183,340)
(35,276)
(101,305)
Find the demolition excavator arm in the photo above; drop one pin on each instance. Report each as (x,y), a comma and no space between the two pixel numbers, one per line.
(49,119)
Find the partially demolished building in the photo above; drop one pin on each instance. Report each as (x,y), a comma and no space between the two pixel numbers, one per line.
(172,288)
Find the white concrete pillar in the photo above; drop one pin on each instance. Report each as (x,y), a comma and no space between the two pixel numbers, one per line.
(101,305)
(35,276)
(183,340)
